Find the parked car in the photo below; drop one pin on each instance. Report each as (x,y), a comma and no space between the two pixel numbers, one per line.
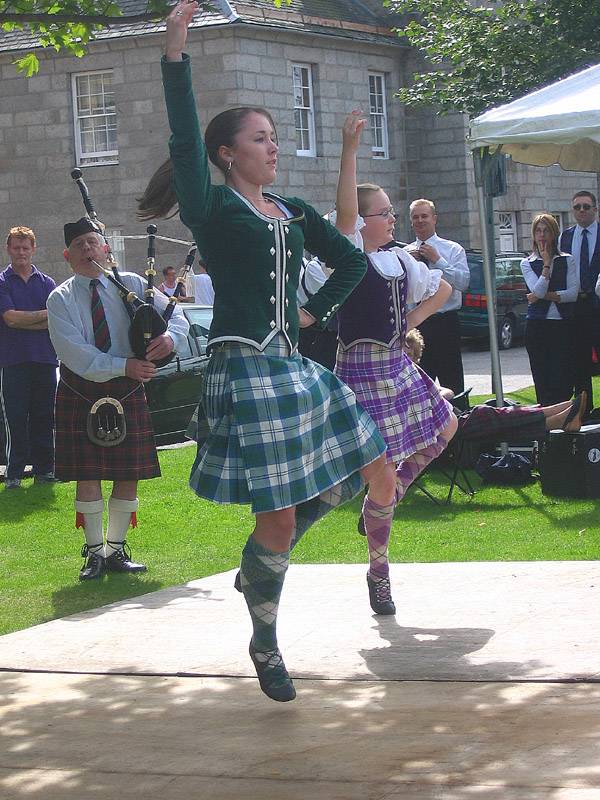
(174,391)
(511,299)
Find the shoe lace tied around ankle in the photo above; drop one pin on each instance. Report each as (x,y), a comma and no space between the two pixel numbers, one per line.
(383,590)
(93,550)
(123,551)
(272,660)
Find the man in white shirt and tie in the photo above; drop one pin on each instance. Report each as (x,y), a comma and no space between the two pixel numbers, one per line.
(583,242)
(442,357)
(102,381)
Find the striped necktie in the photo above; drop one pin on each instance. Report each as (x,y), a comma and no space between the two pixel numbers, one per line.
(585,277)
(101,332)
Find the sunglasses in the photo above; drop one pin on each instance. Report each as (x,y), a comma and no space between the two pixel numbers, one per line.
(582,207)
(388,212)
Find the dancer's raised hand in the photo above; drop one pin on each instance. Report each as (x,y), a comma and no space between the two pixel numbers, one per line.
(177,28)
(352,130)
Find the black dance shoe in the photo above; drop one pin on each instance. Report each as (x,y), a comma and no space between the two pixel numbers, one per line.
(380,595)
(273,677)
(93,566)
(120,561)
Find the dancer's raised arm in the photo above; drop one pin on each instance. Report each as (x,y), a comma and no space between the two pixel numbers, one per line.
(346,203)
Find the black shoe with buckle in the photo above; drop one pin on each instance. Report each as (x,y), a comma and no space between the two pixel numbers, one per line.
(273,677)
(120,560)
(380,595)
(93,566)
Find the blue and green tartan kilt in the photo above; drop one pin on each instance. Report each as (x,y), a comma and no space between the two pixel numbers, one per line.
(283,429)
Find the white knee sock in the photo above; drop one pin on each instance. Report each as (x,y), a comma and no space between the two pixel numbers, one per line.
(119,519)
(92,512)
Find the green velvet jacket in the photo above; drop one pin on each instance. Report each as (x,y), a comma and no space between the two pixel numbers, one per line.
(254,260)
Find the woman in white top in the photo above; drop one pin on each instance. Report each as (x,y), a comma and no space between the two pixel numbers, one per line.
(551,277)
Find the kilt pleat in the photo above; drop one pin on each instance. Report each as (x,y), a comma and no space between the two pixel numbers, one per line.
(402,400)
(77,459)
(283,429)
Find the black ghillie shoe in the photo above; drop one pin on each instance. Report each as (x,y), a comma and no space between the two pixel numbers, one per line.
(237,584)
(272,675)
(361,525)
(380,595)
(120,561)
(93,566)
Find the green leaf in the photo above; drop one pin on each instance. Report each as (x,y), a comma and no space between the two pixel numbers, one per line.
(28,64)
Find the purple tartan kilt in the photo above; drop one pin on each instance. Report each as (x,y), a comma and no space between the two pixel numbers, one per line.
(404,402)
(77,459)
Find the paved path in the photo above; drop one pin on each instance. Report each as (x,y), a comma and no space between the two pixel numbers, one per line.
(483,686)
(514,364)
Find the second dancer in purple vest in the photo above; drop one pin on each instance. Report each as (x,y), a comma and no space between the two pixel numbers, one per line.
(414,419)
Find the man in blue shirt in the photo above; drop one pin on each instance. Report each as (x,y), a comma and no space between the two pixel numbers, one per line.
(583,242)
(27,363)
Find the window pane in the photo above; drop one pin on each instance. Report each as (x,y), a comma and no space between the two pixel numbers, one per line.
(96,121)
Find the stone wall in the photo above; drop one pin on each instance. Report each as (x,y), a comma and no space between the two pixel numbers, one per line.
(230,67)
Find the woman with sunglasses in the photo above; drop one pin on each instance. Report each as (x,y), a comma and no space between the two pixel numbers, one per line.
(551,277)
(414,420)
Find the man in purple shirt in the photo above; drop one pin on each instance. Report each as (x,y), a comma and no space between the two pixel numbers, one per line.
(27,363)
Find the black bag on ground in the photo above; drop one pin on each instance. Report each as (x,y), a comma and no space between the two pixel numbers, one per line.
(511,469)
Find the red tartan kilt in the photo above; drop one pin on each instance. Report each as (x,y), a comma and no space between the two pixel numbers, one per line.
(77,459)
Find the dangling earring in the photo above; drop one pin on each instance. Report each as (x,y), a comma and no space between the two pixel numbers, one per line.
(229,166)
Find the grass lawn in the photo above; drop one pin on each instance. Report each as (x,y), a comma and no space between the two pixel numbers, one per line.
(181,537)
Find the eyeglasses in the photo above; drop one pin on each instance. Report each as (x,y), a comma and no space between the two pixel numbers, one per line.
(388,212)
(582,207)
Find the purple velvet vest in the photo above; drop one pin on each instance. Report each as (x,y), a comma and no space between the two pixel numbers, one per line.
(375,311)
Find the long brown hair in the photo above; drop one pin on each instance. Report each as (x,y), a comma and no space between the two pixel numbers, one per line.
(159,198)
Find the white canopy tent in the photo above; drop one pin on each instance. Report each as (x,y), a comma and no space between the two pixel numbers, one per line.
(559,124)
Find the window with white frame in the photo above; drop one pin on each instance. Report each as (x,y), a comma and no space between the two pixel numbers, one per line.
(304,110)
(378,114)
(95,118)
(506,231)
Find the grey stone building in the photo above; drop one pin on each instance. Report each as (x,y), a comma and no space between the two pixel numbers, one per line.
(309,63)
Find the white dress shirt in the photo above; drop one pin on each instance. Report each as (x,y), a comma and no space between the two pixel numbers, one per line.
(453,264)
(539,286)
(578,236)
(72,331)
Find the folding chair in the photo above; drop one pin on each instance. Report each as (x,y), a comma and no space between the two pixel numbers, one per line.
(451,462)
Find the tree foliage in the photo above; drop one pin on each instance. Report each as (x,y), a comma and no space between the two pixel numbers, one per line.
(485,56)
(70,25)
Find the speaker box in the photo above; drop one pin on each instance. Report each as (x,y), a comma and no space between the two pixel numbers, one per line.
(569,463)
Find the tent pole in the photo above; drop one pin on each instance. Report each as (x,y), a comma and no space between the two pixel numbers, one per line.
(489,273)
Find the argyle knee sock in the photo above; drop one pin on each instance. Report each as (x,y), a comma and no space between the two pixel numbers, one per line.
(88,516)
(313,510)
(410,469)
(262,573)
(121,514)
(378,524)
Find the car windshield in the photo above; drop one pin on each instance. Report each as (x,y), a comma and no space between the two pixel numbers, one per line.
(476,269)
(508,274)
(199,318)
